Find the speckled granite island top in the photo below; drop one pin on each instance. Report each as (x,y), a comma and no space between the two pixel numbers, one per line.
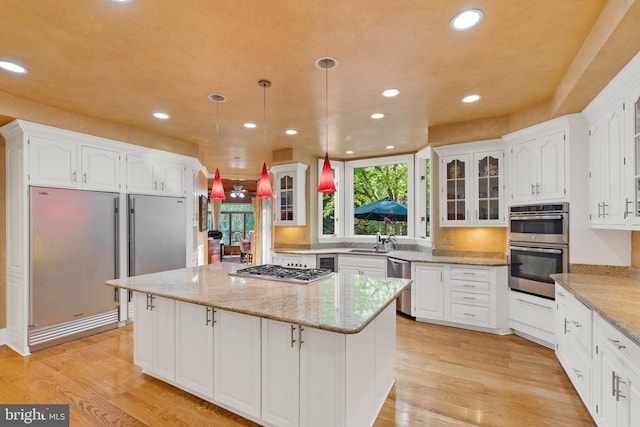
(615,298)
(338,303)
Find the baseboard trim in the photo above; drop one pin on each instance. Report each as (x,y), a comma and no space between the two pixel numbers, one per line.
(3,336)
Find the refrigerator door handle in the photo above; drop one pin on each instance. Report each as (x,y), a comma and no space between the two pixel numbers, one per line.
(132,227)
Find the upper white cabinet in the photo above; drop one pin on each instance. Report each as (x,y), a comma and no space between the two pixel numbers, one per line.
(151,176)
(538,169)
(290,194)
(472,184)
(60,163)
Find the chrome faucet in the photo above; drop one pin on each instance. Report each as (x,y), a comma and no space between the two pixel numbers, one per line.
(378,241)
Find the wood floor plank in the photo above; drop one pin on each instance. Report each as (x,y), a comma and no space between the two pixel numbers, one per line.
(444,377)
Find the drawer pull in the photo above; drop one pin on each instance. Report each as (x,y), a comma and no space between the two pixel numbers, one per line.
(576,324)
(469,314)
(577,372)
(532,303)
(617,343)
(469,286)
(469,298)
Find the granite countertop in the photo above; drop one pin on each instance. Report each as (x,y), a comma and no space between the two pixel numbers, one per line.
(412,256)
(337,303)
(615,298)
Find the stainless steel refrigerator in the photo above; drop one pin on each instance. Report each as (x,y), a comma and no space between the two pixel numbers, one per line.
(73,251)
(157,233)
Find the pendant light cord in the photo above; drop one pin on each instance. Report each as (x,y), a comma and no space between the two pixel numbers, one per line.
(217,132)
(326,109)
(264,119)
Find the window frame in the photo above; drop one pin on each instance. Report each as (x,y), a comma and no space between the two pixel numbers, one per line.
(421,196)
(338,176)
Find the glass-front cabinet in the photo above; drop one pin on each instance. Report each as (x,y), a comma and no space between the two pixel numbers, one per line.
(489,171)
(472,184)
(456,189)
(289,194)
(636,172)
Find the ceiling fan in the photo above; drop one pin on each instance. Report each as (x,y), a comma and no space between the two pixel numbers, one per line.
(237,192)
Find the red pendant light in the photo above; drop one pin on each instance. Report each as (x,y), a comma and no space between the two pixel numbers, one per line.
(326,184)
(217,190)
(264,185)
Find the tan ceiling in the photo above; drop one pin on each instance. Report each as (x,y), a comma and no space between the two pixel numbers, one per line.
(121,62)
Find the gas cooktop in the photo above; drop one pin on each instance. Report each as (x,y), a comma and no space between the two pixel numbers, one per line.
(283,274)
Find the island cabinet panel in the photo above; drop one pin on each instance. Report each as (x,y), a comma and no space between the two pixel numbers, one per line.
(360,391)
(280,373)
(385,325)
(236,361)
(194,348)
(154,335)
(322,378)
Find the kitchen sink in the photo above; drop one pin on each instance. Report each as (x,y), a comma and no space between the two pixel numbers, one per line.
(368,251)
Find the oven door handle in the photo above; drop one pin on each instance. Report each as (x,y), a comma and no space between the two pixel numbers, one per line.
(524,218)
(542,250)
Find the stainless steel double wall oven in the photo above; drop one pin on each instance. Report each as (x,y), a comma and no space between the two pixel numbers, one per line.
(538,247)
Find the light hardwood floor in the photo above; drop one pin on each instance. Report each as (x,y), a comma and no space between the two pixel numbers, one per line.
(444,377)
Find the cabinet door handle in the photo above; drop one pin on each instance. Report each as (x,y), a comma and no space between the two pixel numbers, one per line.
(150,305)
(566,331)
(537,188)
(213,317)
(469,314)
(604,209)
(618,393)
(155,185)
(533,303)
(293,340)
(613,383)
(162,186)
(74,176)
(469,298)
(533,190)
(576,324)
(577,372)
(600,206)
(206,316)
(626,207)
(300,337)
(84,178)
(616,343)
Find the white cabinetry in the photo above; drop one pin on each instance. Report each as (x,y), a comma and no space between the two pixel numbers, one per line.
(147,175)
(607,165)
(154,335)
(427,291)
(533,318)
(58,163)
(194,348)
(468,296)
(290,194)
(236,368)
(352,265)
(574,332)
(472,184)
(617,370)
(538,168)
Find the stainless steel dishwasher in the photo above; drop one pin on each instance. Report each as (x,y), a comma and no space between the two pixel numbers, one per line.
(401,269)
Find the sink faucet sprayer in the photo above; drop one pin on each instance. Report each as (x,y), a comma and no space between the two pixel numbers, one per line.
(378,240)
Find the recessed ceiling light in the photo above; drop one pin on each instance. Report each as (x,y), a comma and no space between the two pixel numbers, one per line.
(249,125)
(470,98)
(13,67)
(161,116)
(377,115)
(466,19)
(390,93)
(349,152)
(389,147)
(291,132)
(122,1)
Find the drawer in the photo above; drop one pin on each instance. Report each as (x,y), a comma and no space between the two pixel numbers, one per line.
(468,298)
(471,273)
(533,311)
(470,286)
(471,314)
(361,261)
(624,346)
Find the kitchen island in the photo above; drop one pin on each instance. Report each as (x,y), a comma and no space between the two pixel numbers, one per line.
(274,352)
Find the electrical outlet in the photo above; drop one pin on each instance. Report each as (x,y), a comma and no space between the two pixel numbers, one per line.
(448,240)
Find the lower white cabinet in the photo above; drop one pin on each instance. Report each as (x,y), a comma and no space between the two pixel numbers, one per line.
(194,348)
(154,335)
(236,361)
(533,318)
(352,265)
(428,291)
(469,296)
(617,388)
(313,377)
(574,332)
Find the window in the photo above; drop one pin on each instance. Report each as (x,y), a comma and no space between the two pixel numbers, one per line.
(423,195)
(329,213)
(381,193)
(235,217)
